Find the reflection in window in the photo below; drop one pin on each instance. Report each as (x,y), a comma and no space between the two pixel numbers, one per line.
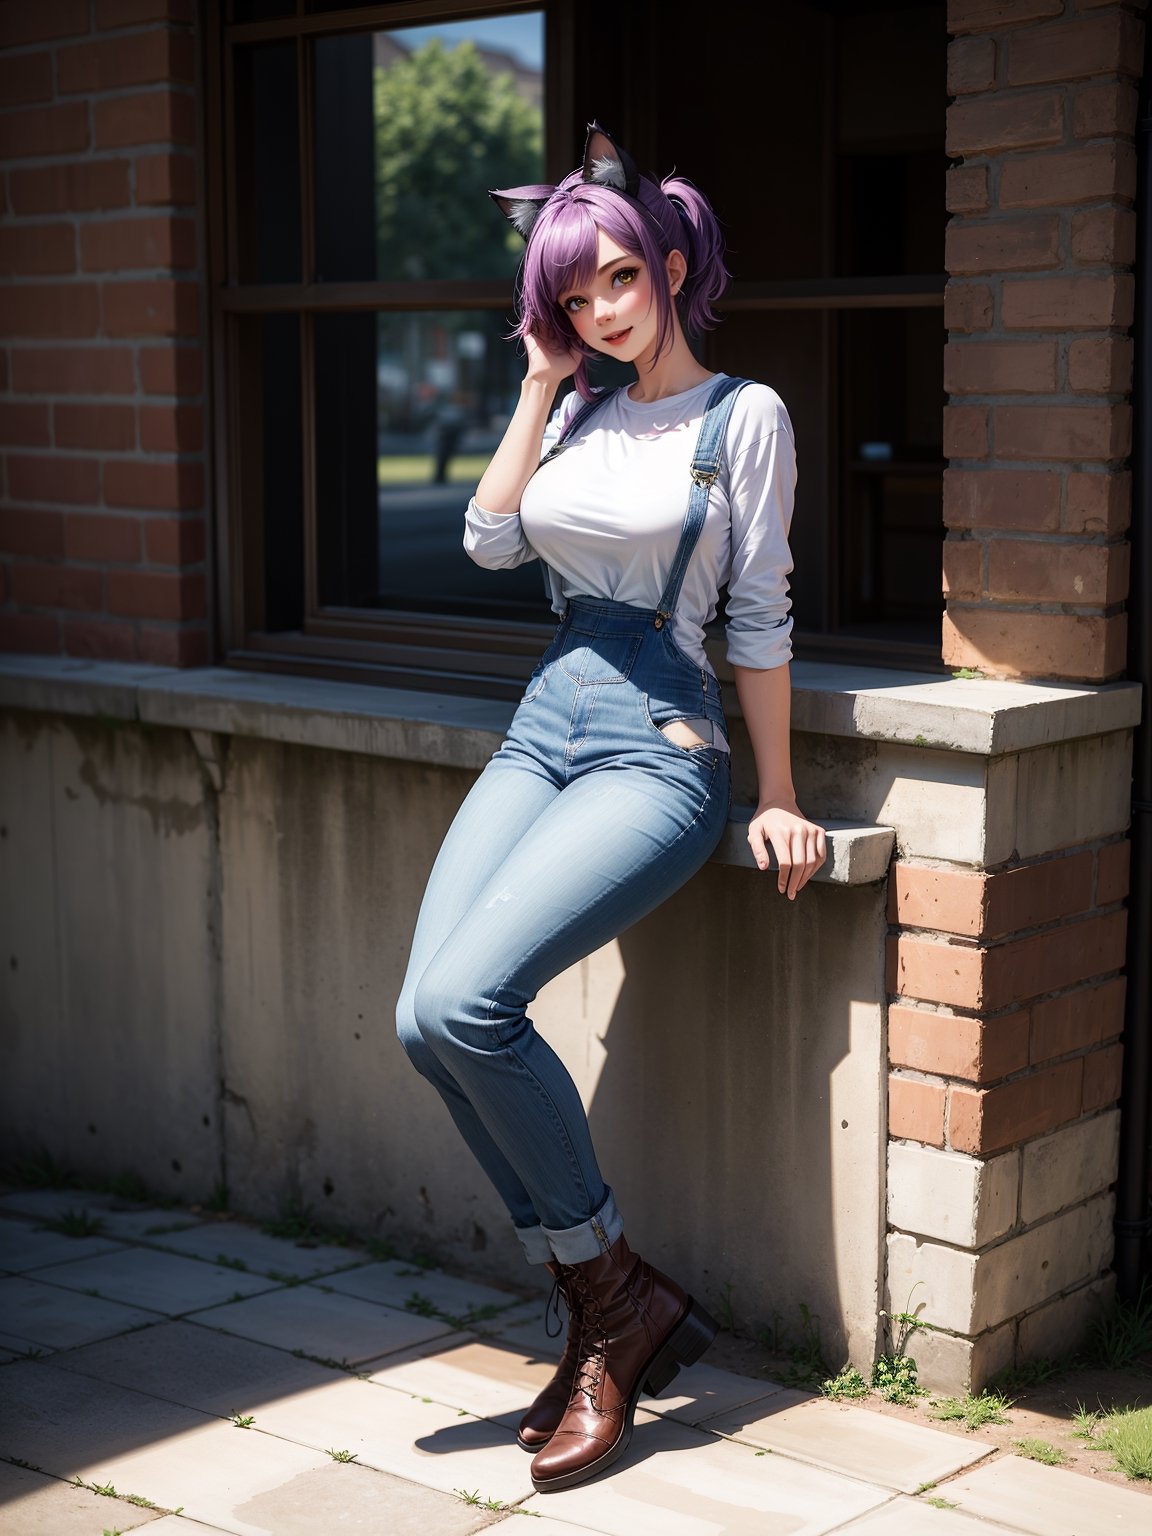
(410,408)
(412,127)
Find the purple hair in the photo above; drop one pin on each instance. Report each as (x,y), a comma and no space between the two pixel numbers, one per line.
(562,250)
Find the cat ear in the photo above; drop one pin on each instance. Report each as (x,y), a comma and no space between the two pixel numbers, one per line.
(521,206)
(608,163)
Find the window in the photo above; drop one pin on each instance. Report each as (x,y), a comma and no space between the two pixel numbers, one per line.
(362,293)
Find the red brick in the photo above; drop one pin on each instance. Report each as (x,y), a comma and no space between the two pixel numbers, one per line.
(1103,169)
(1076,1020)
(982,15)
(986,1120)
(971,65)
(25,77)
(1084,432)
(78,187)
(1003,643)
(967,307)
(95,426)
(98,638)
(49,309)
(1045,962)
(24,23)
(154,117)
(42,478)
(965,432)
(999,367)
(131,13)
(1098,503)
(33,250)
(56,130)
(916,1110)
(167,646)
(1104,109)
(24,532)
(980,905)
(171,428)
(96,536)
(157,308)
(1112,866)
(949,900)
(25,425)
(174,540)
(56,586)
(966,189)
(1099,45)
(1001,122)
(1007,245)
(142,58)
(963,563)
(1008,499)
(156,594)
(120,245)
(1068,303)
(166,179)
(1104,236)
(1101,365)
(1102,1077)
(32,632)
(939,972)
(171,370)
(95,370)
(952,1045)
(161,486)
(1022,570)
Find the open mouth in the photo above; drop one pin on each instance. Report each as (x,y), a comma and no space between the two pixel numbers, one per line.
(617,337)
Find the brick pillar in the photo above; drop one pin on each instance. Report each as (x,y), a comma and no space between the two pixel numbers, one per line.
(1038,364)
(102,500)
(1006,1007)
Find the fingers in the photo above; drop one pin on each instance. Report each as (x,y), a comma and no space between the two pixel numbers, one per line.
(801,849)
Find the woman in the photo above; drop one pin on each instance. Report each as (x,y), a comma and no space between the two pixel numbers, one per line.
(612,787)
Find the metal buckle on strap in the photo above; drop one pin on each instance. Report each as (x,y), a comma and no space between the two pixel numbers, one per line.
(662,615)
(705,477)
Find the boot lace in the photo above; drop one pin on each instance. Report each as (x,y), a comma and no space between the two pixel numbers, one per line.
(593,1340)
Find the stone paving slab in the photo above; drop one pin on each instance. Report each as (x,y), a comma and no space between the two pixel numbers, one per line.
(703,1391)
(150,1225)
(34,1504)
(259,1251)
(52,1315)
(162,1282)
(677,1481)
(1049,1501)
(197,1367)
(72,1426)
(487,1377)
(17,1347)
(340,1328)
(914,1517)
(397,1284)
(50,1203)
(526,1330)
(429,1443)
(24,1247)
(851,1440)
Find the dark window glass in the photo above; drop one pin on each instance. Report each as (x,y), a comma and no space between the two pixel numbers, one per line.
(267,192)
(409,408)
(412,127)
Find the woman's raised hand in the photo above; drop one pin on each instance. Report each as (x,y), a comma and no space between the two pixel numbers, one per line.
(799,844)
(547,367)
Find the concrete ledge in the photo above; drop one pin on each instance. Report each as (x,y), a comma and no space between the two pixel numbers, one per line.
(858,853)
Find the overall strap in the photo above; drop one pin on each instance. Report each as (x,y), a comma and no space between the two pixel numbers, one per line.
(705,470)
(576,421)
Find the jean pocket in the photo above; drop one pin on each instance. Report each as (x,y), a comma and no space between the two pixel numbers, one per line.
(676,726)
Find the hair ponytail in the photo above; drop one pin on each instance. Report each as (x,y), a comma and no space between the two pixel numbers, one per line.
(707,276)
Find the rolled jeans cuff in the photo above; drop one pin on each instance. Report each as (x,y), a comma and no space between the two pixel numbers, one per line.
(537,1249)
(574,1245)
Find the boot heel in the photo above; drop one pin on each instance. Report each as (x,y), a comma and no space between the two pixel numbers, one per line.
(687,1342)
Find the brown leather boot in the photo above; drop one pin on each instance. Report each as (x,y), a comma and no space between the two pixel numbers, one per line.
(539,1423)
(638,1329)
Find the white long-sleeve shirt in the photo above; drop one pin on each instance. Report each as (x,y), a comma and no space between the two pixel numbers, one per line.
(606,516)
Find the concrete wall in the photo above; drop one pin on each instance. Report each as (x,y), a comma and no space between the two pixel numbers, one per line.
(200,987)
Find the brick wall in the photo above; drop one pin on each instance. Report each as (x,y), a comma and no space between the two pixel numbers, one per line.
(102,419)
(1038,364)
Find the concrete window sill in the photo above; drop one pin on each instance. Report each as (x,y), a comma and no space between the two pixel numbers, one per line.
(971,715)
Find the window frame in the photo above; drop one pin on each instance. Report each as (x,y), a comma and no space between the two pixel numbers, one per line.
(396,647)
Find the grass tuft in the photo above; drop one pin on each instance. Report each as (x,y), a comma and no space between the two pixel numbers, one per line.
(1041,1450)
(849,1383)
(973,1411)
(1126,1434)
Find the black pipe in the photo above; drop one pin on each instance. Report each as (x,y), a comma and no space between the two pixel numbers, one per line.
(1133,1193)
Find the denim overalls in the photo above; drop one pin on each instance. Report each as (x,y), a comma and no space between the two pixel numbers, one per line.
(586,819)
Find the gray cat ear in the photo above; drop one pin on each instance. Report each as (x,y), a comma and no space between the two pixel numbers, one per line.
(608,164)
(521,206)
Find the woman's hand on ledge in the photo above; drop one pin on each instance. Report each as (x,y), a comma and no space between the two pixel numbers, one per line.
(799,845)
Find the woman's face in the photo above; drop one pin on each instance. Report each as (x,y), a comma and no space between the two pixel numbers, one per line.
(616,312)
